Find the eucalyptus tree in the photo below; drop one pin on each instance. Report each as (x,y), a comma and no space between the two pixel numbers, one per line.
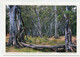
(37,9)
(51,22)
(68,35)
(56,24)
(16,30)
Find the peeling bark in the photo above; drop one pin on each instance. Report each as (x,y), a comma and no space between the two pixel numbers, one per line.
(15,27)
(68,36)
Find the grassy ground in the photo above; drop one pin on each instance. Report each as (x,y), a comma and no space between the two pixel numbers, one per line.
(44,40)
(13,49)
(38,41)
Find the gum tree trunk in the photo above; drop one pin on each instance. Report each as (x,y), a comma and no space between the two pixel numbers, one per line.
(68,37)
(16,31)
(13,29)
(38,20)
(56,24)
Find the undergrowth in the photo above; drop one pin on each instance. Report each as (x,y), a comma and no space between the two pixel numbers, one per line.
(38,41)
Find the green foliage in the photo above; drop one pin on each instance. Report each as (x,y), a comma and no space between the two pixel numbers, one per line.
(45,14)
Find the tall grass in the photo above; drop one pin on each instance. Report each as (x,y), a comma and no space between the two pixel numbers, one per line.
(43,41)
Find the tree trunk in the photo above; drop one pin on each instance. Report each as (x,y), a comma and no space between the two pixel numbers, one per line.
(63,13)
(15,26)
(34,30)
(38,20)
(68,37)
(51,23)
(56,24)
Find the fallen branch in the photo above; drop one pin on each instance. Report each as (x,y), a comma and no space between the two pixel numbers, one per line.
(42,46)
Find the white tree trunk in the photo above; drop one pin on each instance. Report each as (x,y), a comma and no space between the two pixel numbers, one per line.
(38,20)
(15,22)
(68,38)
(56,24)
(13,29)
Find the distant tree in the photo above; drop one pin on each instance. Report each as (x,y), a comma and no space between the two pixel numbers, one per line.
(38,20)
(56,24)
(51,22)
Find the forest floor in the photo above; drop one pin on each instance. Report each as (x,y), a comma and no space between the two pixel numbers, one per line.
(39,41)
